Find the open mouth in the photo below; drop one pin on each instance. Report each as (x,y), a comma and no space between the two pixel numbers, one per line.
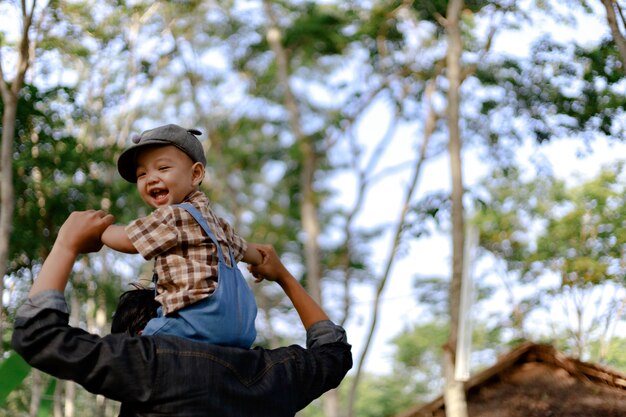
(159,195)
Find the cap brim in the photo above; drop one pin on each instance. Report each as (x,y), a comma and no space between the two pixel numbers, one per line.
(127,162)
(126,165)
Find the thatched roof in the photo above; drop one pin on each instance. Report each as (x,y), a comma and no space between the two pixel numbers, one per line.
(537,380)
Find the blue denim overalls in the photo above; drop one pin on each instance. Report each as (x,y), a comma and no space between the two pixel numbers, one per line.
(225,318)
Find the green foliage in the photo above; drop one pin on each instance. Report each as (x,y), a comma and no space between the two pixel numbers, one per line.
(312,33)
(562,90)
(432,11)
(433,292)
(13,370)
(541,228)
(316,32)
(510,206)
(581,236)
(420,348)
(47,402)
(140,63)
(419,354)
(386,395)
(377,395)
(432,209)
(585,244)
(55,174)
(613,355)
(381,24)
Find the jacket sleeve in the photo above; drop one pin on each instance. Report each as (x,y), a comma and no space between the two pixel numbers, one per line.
(326,361)
(119,367)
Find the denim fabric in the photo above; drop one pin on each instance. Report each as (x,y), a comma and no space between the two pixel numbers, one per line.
(171,376)
(226,318)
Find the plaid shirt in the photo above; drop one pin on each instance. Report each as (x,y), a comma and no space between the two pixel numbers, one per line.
(185,259)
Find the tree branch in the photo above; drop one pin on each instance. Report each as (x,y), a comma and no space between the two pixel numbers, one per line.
(308,205)
(4,87)
(429,127)
(618,38)
(24,48)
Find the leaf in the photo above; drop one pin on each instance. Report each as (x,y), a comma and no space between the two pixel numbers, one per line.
(13,370)
(47,402)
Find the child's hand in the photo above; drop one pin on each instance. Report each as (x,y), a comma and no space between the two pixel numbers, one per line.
(271,268)
(252,255)
(254,268)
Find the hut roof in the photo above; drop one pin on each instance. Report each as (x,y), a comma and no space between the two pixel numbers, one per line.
(537,380)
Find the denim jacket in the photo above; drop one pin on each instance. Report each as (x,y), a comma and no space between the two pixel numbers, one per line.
(171,376)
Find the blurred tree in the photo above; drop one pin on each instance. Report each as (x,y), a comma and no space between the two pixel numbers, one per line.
(454,393)
(611,354)
(10,91)
(418,358)
(379,395)
(541,227)
(617,25)
(280,89)
(560,91)
(55,175)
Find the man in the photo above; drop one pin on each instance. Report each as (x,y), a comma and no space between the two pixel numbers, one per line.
(167,375)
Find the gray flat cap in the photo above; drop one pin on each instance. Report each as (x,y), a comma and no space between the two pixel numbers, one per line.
(183,139)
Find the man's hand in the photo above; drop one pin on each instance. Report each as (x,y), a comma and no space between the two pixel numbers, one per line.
(271,268)
(79,234)
(82,230)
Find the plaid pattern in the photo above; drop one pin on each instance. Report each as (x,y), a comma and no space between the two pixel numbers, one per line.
(185,259)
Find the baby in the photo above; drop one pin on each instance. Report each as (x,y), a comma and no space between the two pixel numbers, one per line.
(202,292)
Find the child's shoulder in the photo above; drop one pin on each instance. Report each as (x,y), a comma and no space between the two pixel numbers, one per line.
(197,197)
(199,201)
(163,213)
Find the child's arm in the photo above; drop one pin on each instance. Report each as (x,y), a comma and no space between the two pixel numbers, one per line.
(115,237)
(252,256)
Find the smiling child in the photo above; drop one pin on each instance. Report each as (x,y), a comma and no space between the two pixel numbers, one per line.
(202,293)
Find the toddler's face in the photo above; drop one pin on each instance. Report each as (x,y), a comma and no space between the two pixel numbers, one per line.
(166,175)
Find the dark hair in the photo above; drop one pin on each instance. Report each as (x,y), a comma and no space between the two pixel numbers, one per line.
(134,310)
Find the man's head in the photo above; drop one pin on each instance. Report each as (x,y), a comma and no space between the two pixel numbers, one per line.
(134,309)
(167,163)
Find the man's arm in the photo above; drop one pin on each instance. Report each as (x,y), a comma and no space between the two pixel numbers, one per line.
(79,234)
(327,358)
(273,269)
(115,237)
(116,366)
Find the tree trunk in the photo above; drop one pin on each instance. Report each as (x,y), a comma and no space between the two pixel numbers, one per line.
(454,394)
(7,199)
(429,126)
(57,407)
(101,406)
(10,93)
(70,386)
(70,399)
(308,205)
(331,403)
(618,37)
(36,393)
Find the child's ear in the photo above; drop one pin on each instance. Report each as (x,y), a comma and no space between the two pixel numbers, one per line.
(197,172)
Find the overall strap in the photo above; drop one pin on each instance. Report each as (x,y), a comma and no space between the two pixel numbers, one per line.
(205,226)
